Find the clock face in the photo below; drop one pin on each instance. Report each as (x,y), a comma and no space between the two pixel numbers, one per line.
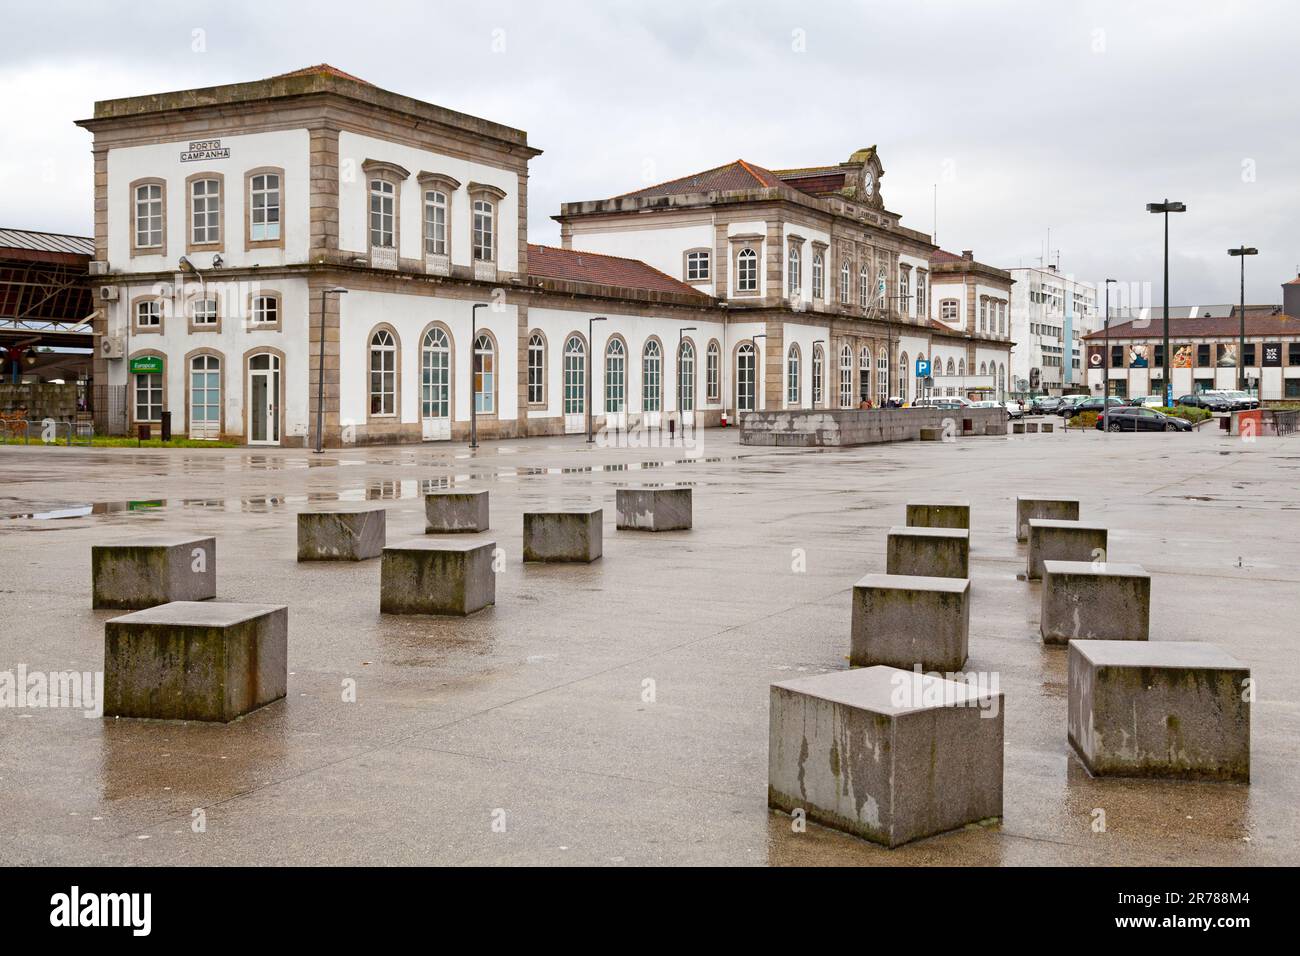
(869,183)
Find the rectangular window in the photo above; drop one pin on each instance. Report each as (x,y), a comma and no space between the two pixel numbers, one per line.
(1160,356)
(920,293)
(266,310)
(204,311)
(148,397)
(205,200)
(483,229)
(148,314)
(435,223)
(536,371)
(381,214)
(264,207)
(148,216)
(1117,356)
(1248,356)
(711,373)
(1293,388)
(697,266)
(1202,356)
(948,310)
(1292,353)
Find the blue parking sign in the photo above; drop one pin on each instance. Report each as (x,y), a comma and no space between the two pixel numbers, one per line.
(922,368)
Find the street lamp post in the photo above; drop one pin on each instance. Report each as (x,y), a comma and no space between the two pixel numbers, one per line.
(473,374)
(681,412)
(1242,252)
(1105,374)
(320,370)
(1166,208)
(591,347)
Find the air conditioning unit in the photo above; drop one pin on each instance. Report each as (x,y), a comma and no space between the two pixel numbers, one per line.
(111,347)
(108,293)
(98,267)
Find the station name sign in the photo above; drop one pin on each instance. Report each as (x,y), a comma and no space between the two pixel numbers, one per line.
(204,149)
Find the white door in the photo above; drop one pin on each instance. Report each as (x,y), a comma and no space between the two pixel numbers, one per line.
(263,399)
(575,387)
(616,385)
(652,393)
(686,384)
(435,386)
(205,397)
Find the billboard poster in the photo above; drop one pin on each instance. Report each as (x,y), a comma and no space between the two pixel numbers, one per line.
(1096,356)
(1139,356)
(1226,355)
(1183,356)
(1272,354)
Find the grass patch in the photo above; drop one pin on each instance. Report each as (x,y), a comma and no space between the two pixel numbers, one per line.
(125,441)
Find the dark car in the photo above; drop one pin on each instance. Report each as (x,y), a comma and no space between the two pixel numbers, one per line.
(1132,418)
(1095,404)
(1211,403)
(1044,405)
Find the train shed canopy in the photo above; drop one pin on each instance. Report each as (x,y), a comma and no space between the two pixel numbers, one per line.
(45,293)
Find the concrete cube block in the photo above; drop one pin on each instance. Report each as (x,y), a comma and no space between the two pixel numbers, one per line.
(347,535)
(907,621)
(196,660)
(1018,428)
(1051,540)
(1159,709)
(1031,427)
(1049,426)
(572,535)
(928,552)
(931,433)
(1059,509)
(437,577)
(1088,601)
(151,571)
(455,512)
(951,514)
(653,509)
(999,429)
(885,754)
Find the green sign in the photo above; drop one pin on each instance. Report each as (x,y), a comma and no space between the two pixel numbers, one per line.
(147,365)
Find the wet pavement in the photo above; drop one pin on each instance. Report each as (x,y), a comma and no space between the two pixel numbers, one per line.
(617,713)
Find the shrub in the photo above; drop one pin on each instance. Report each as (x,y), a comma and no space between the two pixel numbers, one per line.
(1188,412)
(1085,420)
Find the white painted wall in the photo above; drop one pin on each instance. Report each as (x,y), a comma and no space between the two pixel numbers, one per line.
(661,246)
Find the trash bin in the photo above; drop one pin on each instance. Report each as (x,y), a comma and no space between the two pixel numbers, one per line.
(142,432)
(166,419)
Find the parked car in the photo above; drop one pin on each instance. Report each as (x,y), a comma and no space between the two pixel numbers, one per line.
(1237,400)
(1096,404)
(1044,405)
(1134,418)
(991,404)
(1013,407)
(1068,405)
(1147,401)
(942,401)
(1206,400)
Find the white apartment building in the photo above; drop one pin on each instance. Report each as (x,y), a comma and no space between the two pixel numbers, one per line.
(1051,313)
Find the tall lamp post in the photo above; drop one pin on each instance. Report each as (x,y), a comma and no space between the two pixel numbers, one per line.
(1166,208)
(591,347)
(1105,374)
(320,370)
(473,374)
(1242,252)
(681,412)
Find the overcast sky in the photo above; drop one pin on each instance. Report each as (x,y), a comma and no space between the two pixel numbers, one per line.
(1029,116)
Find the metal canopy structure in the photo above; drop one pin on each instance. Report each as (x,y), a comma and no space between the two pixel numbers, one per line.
(45,292)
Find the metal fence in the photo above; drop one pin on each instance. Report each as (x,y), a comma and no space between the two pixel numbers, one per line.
(1285,421)
(27,431)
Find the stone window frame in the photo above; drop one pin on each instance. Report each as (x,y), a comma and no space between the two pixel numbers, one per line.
(680,381)
(793,369)
(394,175)
(713,372)
(707,254)
(956,310)
(819,250)
(613,339)
(494,196)
(740,245)
(543,372)
(818,372)
(203,294)
(846,281)
(495,412)
(220,244)
(864,286)
(983,314)
(136,327)
(923,292)
(569,338)
(252,324)
(396,413)
(739,347)
(866,360)
(131,393)
(904,288)
(882,376)
(189,392)
(136,249)
(249,242)
(448,186)
(445,329)
(844,377)
(663,366)
(794,267)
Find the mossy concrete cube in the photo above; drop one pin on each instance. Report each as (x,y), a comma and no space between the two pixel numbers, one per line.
(1049,427)
(953,514)
(437,576)
(353,534)
(455,512)
(999,429)
(1094,601)
(1031,427)
(151,571)
(571,535)
(1159,709)
(931,433)
(653,509)
(1051,540)
(196,660)
(885,754)
(907,621)
(1058,509)
(928,552)
(1017,428)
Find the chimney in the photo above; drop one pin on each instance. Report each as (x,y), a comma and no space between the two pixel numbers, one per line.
(968,254)
(1291,297)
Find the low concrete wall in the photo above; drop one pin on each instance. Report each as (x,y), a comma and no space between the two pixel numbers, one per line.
(852,426)
(40,400)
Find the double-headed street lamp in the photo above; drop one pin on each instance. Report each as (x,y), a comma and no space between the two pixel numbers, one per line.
(1243,252)
(591,366)
(1166,208)
(320,371)
(1105,380)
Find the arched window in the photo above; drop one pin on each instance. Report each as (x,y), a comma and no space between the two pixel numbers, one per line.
(712,363)
(864,373)
(575,376)
(747,271)
(819,277)
(745,365)
(904,288)
(536,369)
(383,373)
(435,374)
(961,367)
(686,376)
(902,377)
(881,278)
(984,368)
(792,377)
(792,270)
(484,374)
(920,381)
(846,377)
(864,287)
(952,367)
(652,377)
(205,396)
(615,376)
(846,282)
(882,378)
(817,373)
(1002,382)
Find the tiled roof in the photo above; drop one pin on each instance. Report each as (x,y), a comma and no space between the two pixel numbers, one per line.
(46,242)
(573,265)
(816,181)
(943,255)
(1260,320)
(730,176)
(322,69)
